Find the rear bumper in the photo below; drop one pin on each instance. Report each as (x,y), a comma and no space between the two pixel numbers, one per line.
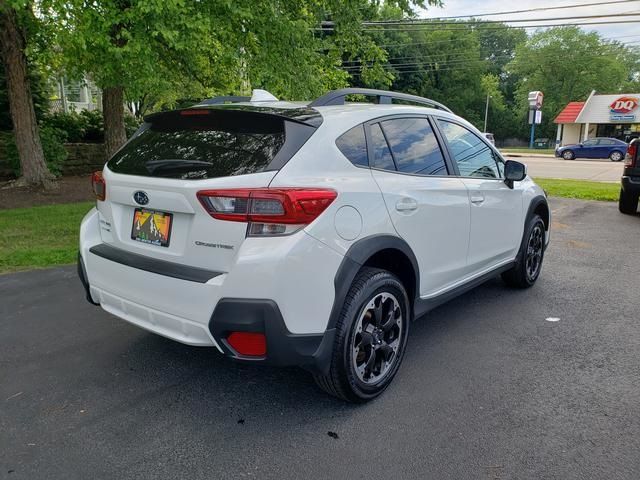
(268,293)
(311,352)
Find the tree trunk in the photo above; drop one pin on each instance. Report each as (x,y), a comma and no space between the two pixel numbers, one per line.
(113,112)
(25,126)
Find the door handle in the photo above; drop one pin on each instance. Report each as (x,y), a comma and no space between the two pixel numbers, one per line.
(477,199)
(406,205)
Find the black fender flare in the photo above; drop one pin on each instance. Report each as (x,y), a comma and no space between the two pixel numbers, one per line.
(357,255)
(535,203)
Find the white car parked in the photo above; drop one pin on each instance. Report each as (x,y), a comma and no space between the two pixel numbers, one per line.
(306,234)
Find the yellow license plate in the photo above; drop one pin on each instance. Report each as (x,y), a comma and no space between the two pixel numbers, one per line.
(152,227)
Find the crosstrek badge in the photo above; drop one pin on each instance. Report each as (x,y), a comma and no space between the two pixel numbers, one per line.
(624,105)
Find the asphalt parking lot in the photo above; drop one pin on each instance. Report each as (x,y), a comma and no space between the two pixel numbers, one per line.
(489,388)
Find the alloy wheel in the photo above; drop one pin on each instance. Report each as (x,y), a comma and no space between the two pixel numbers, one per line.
(377,338)
(535,247)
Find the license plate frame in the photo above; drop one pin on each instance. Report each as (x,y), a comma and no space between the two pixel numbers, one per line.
(158,233)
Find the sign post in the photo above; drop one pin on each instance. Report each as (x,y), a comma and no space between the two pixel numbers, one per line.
(533,132)
(535,115)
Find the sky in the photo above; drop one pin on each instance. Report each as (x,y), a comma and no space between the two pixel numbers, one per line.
(627,33)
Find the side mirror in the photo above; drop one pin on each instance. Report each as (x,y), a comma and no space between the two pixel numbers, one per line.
(514,172)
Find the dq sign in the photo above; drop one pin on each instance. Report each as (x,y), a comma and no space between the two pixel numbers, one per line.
(624,105)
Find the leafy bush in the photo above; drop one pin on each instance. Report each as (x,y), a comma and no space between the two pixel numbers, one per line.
(77,127)
(52,144)
(85,126)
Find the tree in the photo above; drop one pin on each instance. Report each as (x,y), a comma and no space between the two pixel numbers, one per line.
(13,44)
(440,63)
(143,50)
(566,64)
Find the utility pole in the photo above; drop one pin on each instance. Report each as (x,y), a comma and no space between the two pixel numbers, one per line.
(486,113)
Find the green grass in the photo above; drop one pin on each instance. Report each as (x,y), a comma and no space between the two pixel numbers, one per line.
(546,151)
(40,237)
(580,189)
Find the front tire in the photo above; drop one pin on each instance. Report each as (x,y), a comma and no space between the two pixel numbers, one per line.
(568,155)
(529,261)
(616,156)
(627,203)
(371,336)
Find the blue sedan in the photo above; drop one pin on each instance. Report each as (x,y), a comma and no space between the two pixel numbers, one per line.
(610,148)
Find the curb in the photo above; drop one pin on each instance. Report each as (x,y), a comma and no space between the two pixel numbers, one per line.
(536,155)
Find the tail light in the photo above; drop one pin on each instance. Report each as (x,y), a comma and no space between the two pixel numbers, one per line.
(99,186)
(269,211)
(631,157)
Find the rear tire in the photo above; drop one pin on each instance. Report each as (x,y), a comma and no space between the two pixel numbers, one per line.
(529,261)
(371,336)
(616,156)
(568,155)
(627,203)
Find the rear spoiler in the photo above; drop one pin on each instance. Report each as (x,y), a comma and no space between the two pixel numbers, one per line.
(210,113)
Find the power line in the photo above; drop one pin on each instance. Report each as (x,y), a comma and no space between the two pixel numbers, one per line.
(492,14)
(521,20)
(457,40)
(455,62)
(448,55)
(504,27)
(477,15)
(428,70)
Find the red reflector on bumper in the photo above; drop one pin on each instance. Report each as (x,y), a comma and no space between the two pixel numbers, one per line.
(249,344)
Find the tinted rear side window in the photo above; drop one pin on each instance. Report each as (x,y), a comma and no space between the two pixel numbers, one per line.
(209,144)
(414,146)
(381,154)
(353,145)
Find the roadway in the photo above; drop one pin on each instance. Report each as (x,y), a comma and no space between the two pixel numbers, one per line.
(552,167)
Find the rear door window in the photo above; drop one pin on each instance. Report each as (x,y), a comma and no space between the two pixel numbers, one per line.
(414,146)
(208,144)
(472,154)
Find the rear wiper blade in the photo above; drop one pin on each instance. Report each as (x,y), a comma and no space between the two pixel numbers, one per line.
(176,164)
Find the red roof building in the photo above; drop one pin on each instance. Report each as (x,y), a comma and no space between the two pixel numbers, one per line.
(615,115)
(570,113)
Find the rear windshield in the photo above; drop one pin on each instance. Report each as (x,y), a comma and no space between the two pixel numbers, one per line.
(197,144)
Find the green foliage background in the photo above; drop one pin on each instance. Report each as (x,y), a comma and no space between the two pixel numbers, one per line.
(168,53)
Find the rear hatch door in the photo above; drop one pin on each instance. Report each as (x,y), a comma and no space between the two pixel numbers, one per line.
(151,205)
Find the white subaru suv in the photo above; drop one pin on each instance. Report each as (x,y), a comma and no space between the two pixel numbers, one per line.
(306,234)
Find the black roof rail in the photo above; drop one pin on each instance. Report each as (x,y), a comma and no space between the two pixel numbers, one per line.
(337,97)
(224,99)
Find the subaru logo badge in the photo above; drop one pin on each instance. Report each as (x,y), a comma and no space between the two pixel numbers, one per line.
(140,197)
